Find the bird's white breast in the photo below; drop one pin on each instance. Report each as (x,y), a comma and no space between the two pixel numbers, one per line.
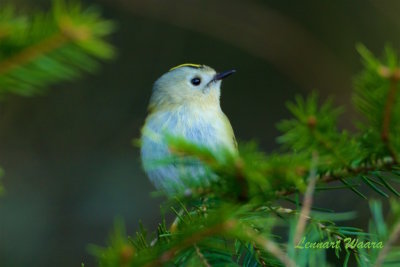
(198,125)
(206,127)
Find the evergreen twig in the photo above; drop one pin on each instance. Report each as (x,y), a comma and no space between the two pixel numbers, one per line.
(269,246)
(241,206)
(388,246)
(307,203)
(394,77)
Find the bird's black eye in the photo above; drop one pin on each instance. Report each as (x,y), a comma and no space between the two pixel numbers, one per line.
(196,81)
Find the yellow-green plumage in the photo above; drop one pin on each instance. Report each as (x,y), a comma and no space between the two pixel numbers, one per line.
(181,107)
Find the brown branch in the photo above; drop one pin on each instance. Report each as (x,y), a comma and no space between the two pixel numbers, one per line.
(307,203)
(327,178)
(270,247)
(258,251)
(224,227)
(392,239)
(68,32)
(390,100)
(201,256)
(193,239)
(322,226)
(29,54)
(240,177)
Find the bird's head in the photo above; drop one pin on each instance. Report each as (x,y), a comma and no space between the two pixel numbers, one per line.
(188,84)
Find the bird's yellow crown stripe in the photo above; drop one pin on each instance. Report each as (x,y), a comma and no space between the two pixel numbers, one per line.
(197,66)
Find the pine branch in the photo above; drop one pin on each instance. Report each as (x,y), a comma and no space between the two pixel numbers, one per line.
(380,165)
(201,256)
(241,206)
(168,255)
(40,50)
(330,230)
(392,239)
(394,77)
(269,246)
(305,211)
(260,259)
(31,53)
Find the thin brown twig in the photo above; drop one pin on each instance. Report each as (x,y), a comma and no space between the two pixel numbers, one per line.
(225,227)
(193,239)
(270,247)
(307,203)
(319,224)
(201,256)
(387,115)
(330,177)
(383,253)
(258,251)
(240,177)
(32,52)
(67,32)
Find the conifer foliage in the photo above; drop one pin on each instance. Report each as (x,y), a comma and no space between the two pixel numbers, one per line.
(234,220)
(39,50)
(238,219)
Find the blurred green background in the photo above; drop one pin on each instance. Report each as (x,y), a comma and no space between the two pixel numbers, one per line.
(70,167)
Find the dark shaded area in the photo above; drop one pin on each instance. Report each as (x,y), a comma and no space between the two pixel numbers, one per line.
(70,166)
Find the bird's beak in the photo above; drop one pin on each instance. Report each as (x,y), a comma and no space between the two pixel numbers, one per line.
(223,75)
(219,76)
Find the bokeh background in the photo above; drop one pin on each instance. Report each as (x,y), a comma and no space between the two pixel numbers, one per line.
(70,166)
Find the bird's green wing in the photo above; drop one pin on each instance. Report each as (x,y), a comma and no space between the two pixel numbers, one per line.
(231,134)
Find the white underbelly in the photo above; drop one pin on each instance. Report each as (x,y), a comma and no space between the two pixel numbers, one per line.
(205,130)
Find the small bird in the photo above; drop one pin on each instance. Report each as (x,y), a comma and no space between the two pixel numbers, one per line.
(185,102)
